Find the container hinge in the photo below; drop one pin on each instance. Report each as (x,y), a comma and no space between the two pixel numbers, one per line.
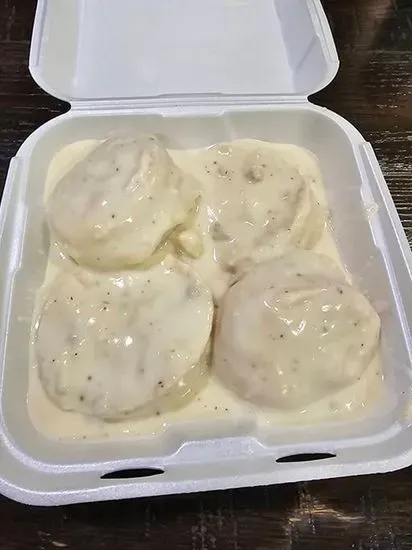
(178,104)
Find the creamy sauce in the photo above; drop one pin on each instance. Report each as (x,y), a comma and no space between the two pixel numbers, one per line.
(240,233)
(214,402)
(112,346)
(292,332)
(113,208)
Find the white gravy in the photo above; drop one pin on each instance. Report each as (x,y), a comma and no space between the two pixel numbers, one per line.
(214,402)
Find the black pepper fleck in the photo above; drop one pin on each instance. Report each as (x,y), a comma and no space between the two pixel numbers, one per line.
(81,398)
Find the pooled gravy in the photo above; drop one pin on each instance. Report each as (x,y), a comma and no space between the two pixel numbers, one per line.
(220,227)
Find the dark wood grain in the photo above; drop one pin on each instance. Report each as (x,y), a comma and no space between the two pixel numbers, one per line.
(374,91)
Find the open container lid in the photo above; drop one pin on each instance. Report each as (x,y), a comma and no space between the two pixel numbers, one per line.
(94,50)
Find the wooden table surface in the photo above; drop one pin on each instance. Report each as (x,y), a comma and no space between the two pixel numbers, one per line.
(373,91)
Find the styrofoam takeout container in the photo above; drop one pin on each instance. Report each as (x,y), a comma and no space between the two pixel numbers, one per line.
(198,72)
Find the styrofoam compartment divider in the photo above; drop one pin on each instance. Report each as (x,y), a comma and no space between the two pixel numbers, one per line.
(198,73)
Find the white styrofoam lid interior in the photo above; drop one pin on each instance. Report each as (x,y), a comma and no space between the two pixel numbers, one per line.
(114,49)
